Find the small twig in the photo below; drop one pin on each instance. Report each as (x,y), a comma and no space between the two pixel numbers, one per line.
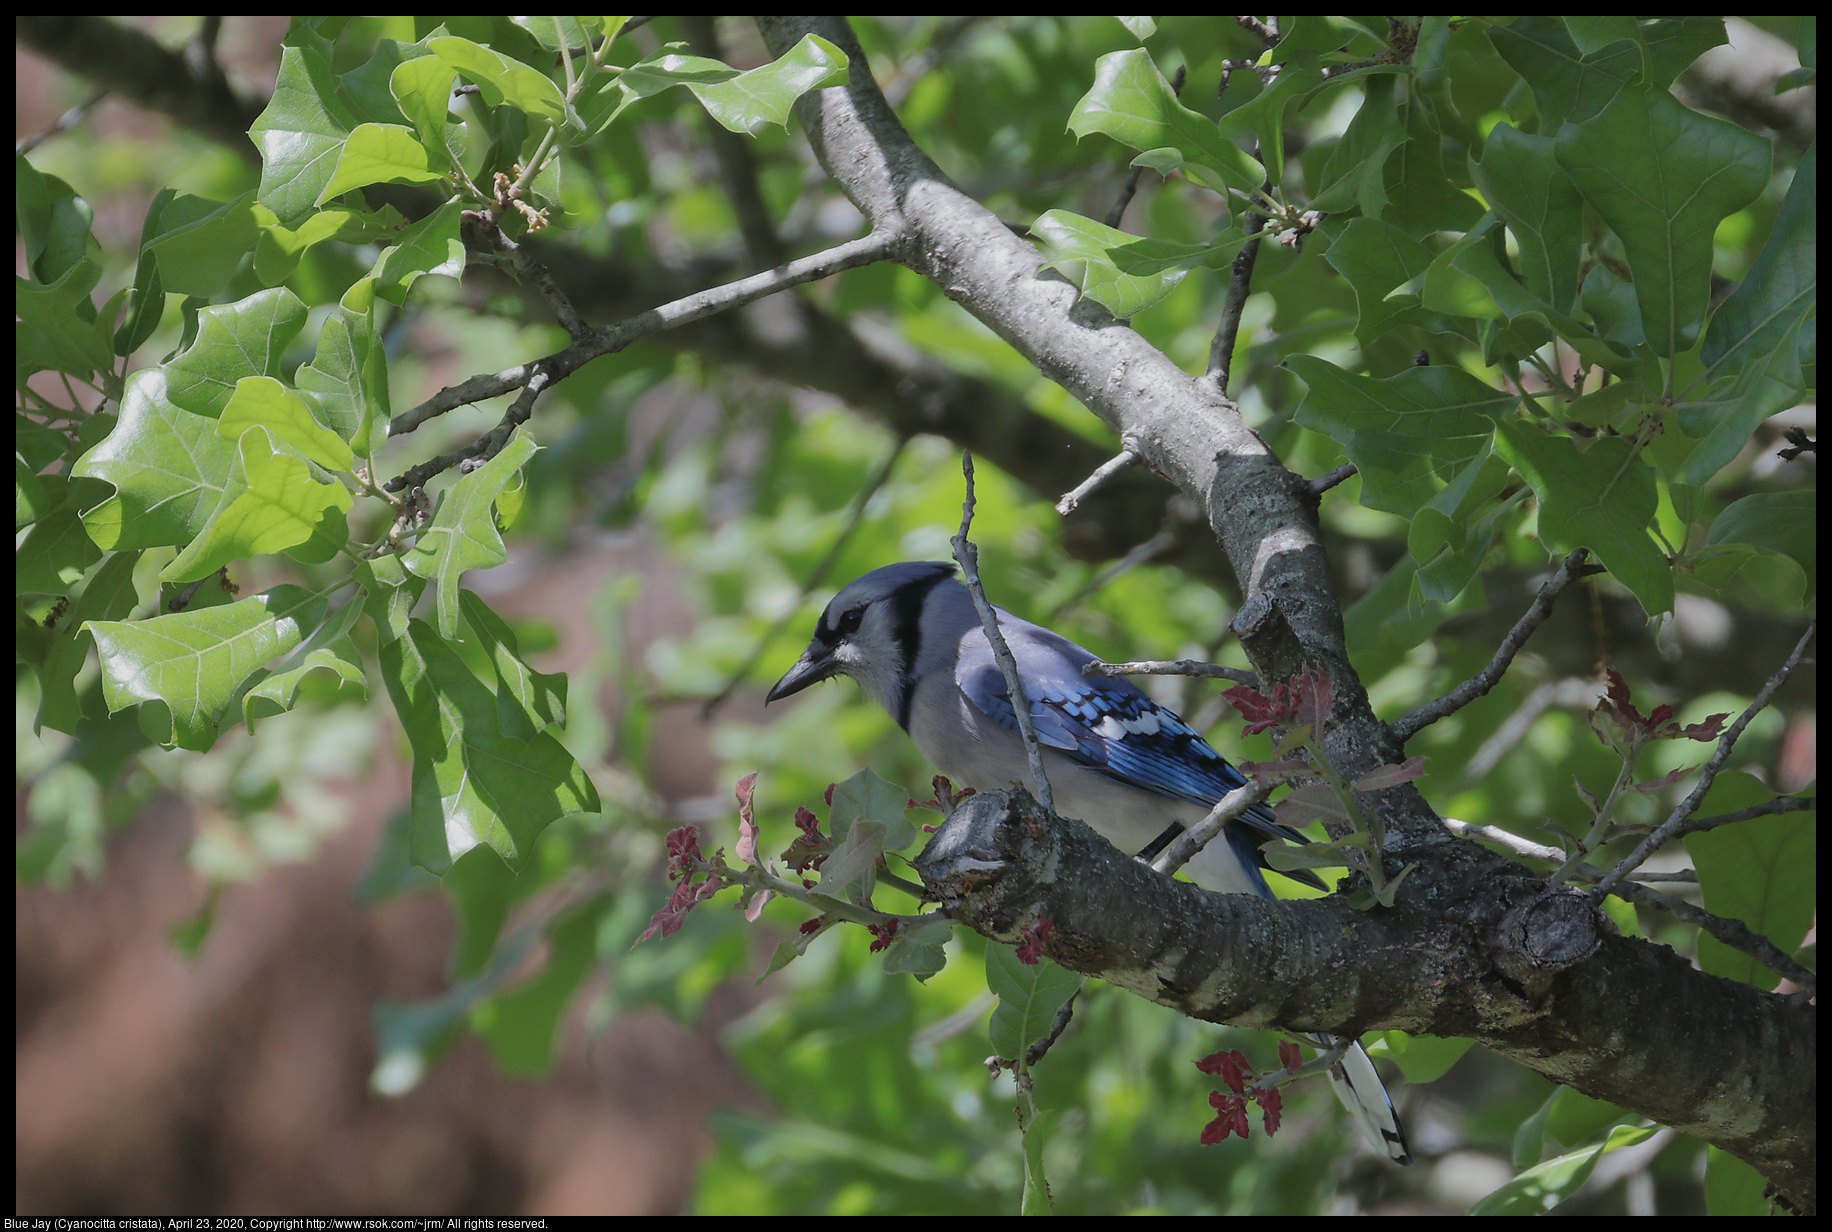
(483,448)
(1526,848)
(1058,1025)
(850,255)
(968,558)
(524,264)
(1173,667)
(1127,455)
(1266,31)
(1676,820)
(1780,804)
(1733,933)
(1240,285)
(1198,836)
(70,119)
(1323,483)
(853,519)
(1405,728)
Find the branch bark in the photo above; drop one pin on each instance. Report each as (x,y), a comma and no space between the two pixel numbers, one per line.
(1476,946)
(1543,981)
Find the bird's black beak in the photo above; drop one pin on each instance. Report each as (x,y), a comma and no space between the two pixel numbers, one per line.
(817,663)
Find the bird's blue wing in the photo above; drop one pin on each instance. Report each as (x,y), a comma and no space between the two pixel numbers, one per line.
(1106,723)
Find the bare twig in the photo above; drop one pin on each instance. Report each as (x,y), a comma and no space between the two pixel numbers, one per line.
(850,255)
(1240,285)
(1526,848)
(1405,728)
(1323,483)
(968,557)
(1768,808)
(1064,1012)
(70,119)
(1266,31)
(1177,512)
(1107,470)
(1173,667)
(1676,820)
(1733,933)
(1198,836)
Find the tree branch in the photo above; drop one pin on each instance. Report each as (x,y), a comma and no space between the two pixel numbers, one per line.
(1478,685)
(615,338)
(1542,983)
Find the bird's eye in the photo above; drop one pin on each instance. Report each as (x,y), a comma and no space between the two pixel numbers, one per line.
(850,620)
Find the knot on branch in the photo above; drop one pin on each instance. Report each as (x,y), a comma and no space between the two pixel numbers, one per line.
(1545,935)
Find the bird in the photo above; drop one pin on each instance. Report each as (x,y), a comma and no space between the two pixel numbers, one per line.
(911,638)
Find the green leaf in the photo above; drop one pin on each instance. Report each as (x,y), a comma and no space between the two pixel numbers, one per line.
(1262,117)
(1420,196)
(1603,499)
(748,101)
(1354,175)
(185,669)
(169,469)
(381,154)
(865,796)
(1571,86)
(1663,177)
(347,379)
(430,246)
(275,501)
(1029,996)
(1782,522)
(263,401)
(246,338)
(329,649)
(1541,1188)
(1763,873)
(1131,102)
(501,79)
(1729,413)
(472,783)
(1411,435)
(1037,1135)
(55,553)
(1521,178)
(1782,287)
(109,595)
(463,534)
(920,951)
(201,254)
(1732,1187)
(423,88)
(1069,238)
(1385,266)
(149,291)
(55,324)
(527,701)
(301,132)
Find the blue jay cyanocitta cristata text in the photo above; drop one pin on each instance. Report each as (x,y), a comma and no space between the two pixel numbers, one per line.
(909,634)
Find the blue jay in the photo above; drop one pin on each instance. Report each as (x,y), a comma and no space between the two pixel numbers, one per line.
(909,634)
